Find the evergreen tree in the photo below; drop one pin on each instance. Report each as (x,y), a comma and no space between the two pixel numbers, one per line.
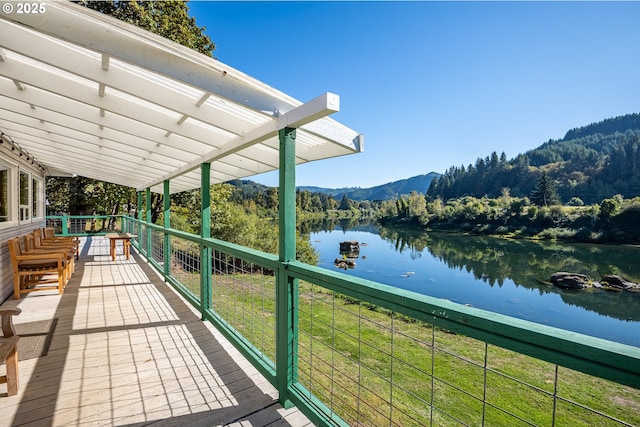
(432,191)
(272,198)
(346,203)
(545,192)
(494,161)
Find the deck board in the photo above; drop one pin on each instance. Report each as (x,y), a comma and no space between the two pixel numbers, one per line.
(129,351)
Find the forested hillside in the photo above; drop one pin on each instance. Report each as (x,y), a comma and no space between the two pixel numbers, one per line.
(590,163)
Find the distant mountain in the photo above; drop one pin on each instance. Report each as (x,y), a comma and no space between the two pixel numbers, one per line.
(248,189)
(387,191)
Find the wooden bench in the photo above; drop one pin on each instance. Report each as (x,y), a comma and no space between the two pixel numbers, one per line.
(9,350)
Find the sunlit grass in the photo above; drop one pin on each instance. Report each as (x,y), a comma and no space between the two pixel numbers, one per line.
(371,366)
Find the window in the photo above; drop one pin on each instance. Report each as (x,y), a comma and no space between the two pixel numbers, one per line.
(21,194)
(5,193)
(25,204)
(36,198)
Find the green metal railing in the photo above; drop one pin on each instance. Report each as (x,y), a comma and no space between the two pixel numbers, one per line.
(82,225)
(367,354)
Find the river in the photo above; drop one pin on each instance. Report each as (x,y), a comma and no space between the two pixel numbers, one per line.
(499,275)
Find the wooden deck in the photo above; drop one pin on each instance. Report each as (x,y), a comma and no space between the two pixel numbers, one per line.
(129,351)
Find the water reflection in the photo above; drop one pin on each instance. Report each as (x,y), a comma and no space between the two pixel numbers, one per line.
(340,224)
(526,264)
(530,264)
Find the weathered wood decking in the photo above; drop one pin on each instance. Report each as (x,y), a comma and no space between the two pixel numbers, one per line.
(128,351)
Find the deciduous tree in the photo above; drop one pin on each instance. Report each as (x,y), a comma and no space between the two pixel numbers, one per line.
(169,19)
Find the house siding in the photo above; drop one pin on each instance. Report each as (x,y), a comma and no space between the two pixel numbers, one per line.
(15,228)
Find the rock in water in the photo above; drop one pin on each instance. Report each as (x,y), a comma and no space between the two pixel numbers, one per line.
(344,263)
(568,280)
(618,283)
(349,246)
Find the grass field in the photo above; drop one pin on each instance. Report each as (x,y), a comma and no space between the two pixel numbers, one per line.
(375,368)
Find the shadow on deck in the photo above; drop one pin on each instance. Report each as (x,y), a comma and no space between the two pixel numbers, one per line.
(129,351)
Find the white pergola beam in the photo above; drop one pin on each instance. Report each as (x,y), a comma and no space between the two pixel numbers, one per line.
(75,150)
(321,106)
(313,110)
(119,172)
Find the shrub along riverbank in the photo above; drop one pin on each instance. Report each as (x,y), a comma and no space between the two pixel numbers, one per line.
(614,220)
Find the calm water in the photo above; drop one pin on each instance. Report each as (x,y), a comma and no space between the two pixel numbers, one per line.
(498,275)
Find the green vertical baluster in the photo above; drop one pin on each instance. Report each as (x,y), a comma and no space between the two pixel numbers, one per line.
(148,233)
(65,225)
(167,224)
(205,232)
(140,210)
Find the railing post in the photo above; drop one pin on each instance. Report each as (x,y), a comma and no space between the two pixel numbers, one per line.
(167,224)
(65,225)
(140,210)
(286,285)
(205,232)
(147,236)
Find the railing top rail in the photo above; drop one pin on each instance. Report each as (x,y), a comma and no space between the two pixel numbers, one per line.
(259,257)
(84,216)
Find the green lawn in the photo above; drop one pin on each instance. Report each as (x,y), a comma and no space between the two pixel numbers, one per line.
(370,366)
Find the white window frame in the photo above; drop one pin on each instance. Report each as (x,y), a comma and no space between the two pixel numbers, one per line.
(37,195)
(12,211)
(24,210)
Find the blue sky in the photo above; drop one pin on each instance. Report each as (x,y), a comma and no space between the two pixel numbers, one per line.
(436,84)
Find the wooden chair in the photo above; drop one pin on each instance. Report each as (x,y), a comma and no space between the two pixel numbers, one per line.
(47,235)
(41,242)
(9,350)
(32,244)
(31,271)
